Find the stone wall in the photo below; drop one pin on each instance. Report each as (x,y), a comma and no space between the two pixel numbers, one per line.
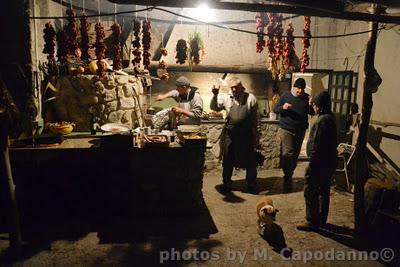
(270,143)
(114,99)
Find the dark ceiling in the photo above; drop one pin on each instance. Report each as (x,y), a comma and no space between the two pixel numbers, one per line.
(389,10)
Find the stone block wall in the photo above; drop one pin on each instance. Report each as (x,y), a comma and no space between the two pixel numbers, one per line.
(270,143)
(114,99)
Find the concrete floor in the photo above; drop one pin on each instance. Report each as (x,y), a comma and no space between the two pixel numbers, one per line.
(234,240)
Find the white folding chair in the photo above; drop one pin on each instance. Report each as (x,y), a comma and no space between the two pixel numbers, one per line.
(345,154)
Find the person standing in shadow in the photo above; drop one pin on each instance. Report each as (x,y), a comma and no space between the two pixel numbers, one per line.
(321,148)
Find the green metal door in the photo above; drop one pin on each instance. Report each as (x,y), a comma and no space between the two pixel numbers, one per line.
(342,87)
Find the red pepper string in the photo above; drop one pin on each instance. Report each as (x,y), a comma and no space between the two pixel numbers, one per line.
(289,49)
(100,50)
(117,61)
(181,51)
(49,41)
(72,31)
(85,28)
(305,59)
(136,45)
(146,42)
(260,32)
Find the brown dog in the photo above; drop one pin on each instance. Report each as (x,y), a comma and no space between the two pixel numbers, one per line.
(266,212)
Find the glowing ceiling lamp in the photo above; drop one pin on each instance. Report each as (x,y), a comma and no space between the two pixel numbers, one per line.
(203,13)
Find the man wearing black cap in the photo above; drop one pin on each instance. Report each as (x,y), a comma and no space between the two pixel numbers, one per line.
(321,149)
(190,104)
(293,107)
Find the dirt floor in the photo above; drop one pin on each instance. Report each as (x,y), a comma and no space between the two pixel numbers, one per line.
(230,225)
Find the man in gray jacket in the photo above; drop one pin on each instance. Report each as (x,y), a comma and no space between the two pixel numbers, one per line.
(190,103)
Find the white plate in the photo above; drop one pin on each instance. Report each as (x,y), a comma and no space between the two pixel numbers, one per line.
(115,127)
(189,128)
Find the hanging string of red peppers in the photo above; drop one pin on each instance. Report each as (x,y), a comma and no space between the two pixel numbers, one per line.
(72,31)
(62,50)
(49,43)
(281,51)
(117,60)
(279,65)
(137,53)
(100,49)
(288,52)
(146,42)
(260,32)
(305,59)
(85,27)
(181,51)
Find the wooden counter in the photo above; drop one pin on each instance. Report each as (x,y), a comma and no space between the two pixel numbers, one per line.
(79,178)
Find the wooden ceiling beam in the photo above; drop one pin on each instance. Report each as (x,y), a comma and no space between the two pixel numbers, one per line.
(316,11)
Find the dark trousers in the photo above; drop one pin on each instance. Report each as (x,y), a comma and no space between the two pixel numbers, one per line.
(228,165)
(290,149)
(316,193)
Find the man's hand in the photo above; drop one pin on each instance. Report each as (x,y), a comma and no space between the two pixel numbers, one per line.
(160,97)
(178,110)
(215,90)
(286,106)
(310,100)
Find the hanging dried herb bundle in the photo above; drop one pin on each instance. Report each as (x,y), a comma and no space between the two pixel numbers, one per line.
(72,31)
(181,51)
(85,27)
(289,52)
(100,49)
(305,58)
(146,42)
(49,46)
(137,54)
(62,50)
(196,49)
(162,70)
(117,60)
(260,32)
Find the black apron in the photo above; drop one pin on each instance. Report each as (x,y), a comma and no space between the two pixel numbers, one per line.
(238,137)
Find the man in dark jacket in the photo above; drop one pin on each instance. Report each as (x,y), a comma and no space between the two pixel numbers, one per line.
(322,163)
(293,108)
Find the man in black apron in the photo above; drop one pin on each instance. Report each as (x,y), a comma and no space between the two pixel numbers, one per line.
(190,103)
(241,132)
